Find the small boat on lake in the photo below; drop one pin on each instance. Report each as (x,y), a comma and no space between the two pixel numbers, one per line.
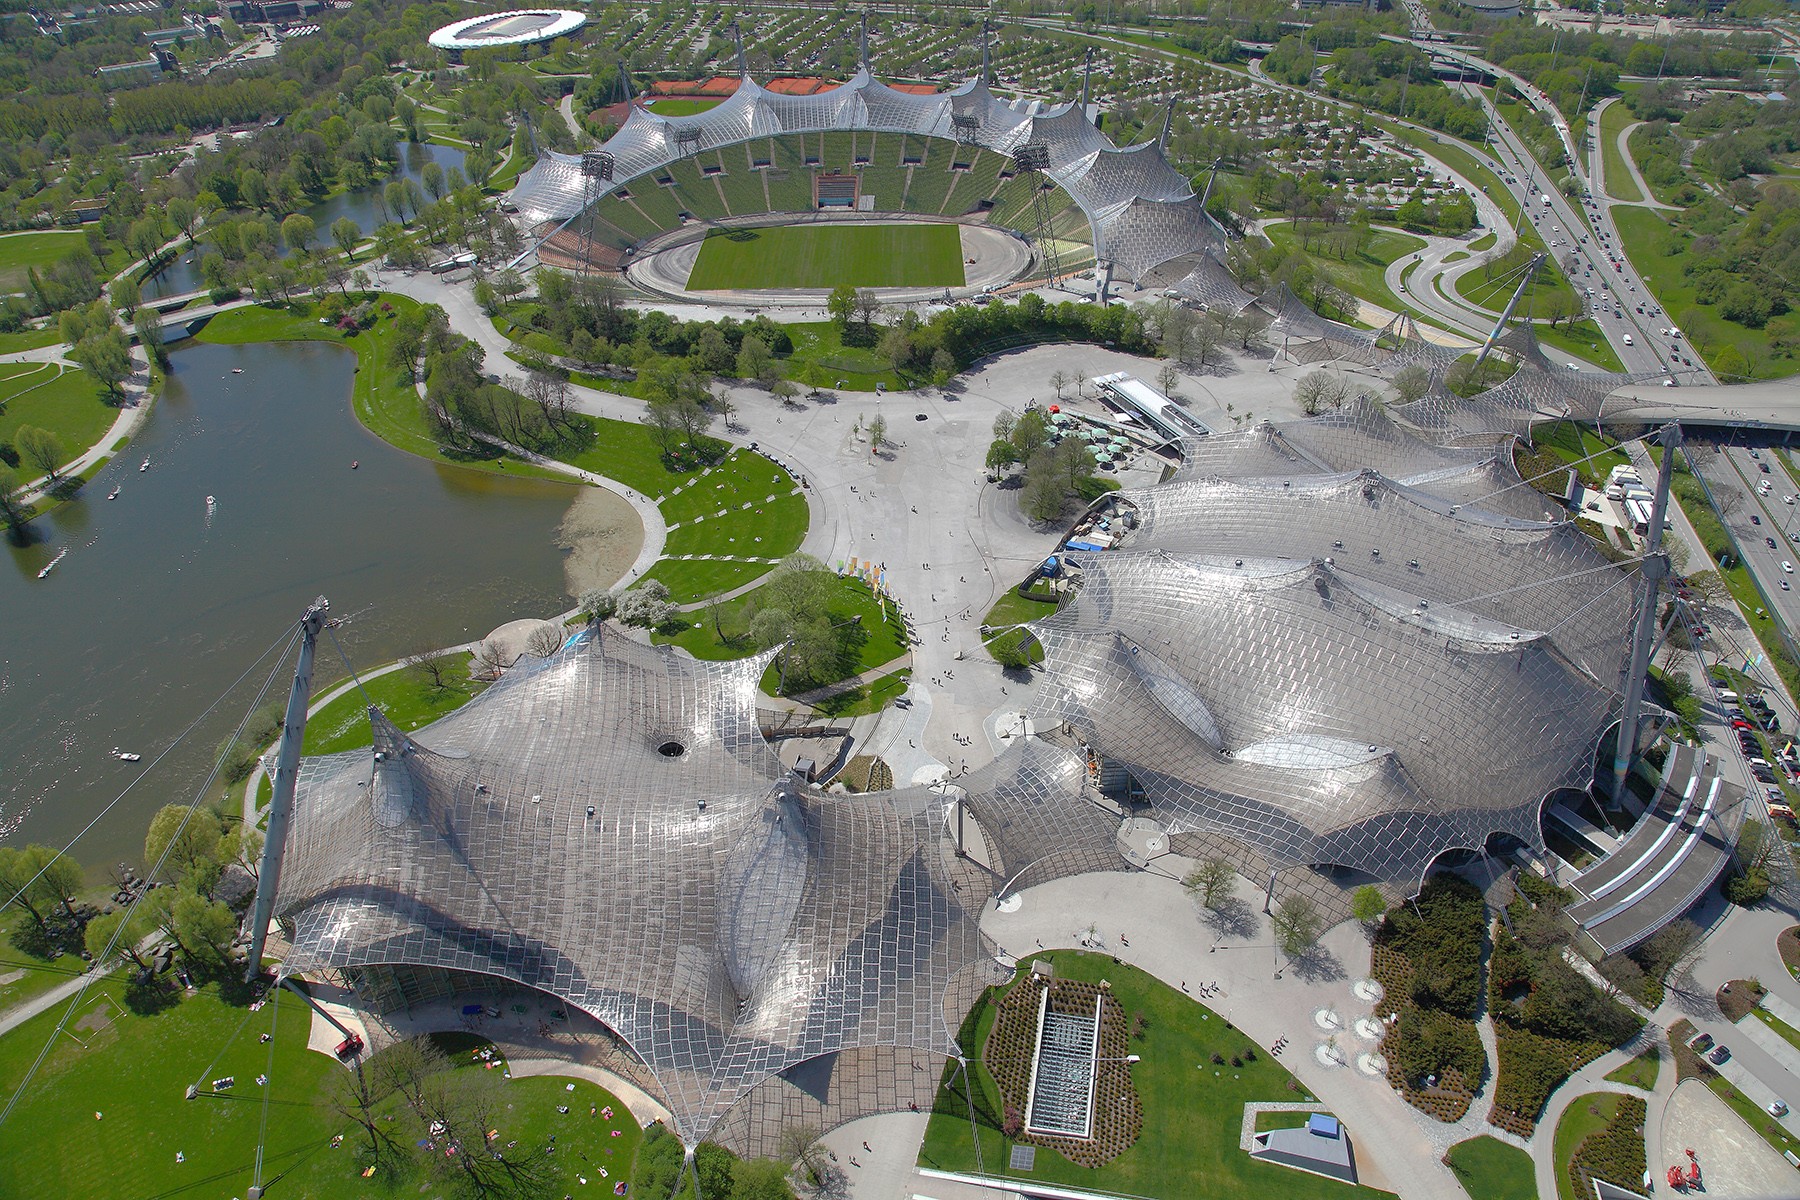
(125,755)
(144,466)
(355,463)
(51,565)
(237,370)
(113,495)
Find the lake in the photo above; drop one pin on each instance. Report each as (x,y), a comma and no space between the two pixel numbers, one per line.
(161,603)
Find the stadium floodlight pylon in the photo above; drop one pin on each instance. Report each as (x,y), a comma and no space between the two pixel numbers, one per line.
(1033,160)
(596,180)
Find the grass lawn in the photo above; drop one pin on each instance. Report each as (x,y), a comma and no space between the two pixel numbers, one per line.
(869,698)
(628,452)
(884,640)
(1014,609)
(134,1070)
(1619,183)
(757,528)
(1584,340)
(1788,1033)
(680,106)
(744,475)
(689,580)
(29,339)
(1656,249)
(1575,1126)
(19,252)
(824,256)
(66,401)
(1363,275)
(1640,1072)
(23,975)
(406,697)
(1189,1142)
(1489,1169)
(383,396)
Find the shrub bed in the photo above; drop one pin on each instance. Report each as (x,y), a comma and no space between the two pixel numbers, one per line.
(1427,957)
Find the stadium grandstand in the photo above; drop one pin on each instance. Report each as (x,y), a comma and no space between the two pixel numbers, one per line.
(865,147)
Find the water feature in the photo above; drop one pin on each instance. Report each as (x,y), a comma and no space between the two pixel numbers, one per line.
(365,206)
(161,602)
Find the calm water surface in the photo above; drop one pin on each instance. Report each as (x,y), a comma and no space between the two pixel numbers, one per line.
(159,604)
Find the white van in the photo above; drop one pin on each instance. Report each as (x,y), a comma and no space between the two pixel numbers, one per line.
(1727,696)
(1628,340)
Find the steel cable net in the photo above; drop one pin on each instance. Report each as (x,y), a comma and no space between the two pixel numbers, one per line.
(609,826)
(1037,819)
(1327,704)
(1211,285)
(1142,212)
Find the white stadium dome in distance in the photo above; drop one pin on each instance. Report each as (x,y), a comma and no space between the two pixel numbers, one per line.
(518,28)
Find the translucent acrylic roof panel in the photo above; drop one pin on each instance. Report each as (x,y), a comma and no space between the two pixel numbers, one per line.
(610,826)
(1210,285)
(1526,574)
(1350,727)
(1036,817)
(1144,234)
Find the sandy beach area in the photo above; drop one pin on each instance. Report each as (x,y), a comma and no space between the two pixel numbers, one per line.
(600,536)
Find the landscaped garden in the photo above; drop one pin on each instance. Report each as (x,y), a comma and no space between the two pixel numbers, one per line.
(1640,1072)
(1490,1169)
(1188,1143)
(833,627)
(1600,1136)
(1427,957)
(1549,1020)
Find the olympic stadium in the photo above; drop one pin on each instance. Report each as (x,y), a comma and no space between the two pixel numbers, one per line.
(521,28)
(1005,172)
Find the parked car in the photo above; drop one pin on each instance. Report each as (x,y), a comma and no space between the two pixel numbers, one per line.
(1719,1055)
(1700,1043)
(1778,1107)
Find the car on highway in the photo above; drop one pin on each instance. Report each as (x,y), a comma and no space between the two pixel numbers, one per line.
(1755,520)
(1787,568)
(1785,587)
(1770,541)
(1762,466)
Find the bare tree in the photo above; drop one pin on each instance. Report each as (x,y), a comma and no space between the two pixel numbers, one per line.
(544,641)
(551,395)
(1059,380)
(488,661)
(432,664)
(1168,378)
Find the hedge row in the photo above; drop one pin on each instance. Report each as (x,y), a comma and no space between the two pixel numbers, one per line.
(1615,1154)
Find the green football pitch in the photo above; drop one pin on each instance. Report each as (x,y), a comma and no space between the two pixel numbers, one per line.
(824,256)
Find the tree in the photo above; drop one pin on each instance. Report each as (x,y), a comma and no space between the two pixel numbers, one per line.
(799,1146)
(754,360)
(346,233)
(785,390)
(297,231)
(1367,904)
(867,306)
(39,448)
(1296,925)
(1211,882)
(205,928)
(432,665)
(841,304)
(99,935)
(1411,382)
(1059,380)
(147,324)
(1168,378)
(1043,496)
(190,836)
(1318,391)
(647,605)
(13,509)
(1030,433)
(353,1096)
(106,355)
(877,434)
(545,640)
(597,604)
(760,1179)
(18,867)
(59,879)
